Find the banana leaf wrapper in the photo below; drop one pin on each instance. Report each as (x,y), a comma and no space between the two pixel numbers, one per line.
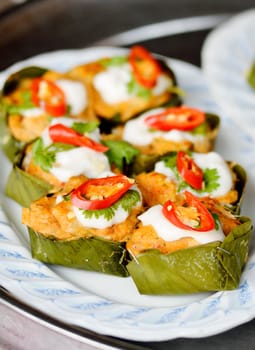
(215,266)
(240,186)
(92,254)
(22,187)
(25,188)
(10,145)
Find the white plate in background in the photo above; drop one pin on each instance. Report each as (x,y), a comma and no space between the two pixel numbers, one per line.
(227,55)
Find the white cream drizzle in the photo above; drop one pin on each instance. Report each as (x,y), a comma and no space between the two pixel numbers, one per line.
(119,216)
(79,160)
(75,94)
(112,84)
(211,160)
(137,132)
(169,232)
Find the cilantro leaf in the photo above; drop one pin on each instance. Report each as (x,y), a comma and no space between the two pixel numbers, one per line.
(170,161)
(210,176)
(126,202)
(26,103)
(129,200)
(45,157)
(136,89)
(120,153)
(83,128)
(41,156)
(114,61)
(211,180)
(216,220)
(107,213)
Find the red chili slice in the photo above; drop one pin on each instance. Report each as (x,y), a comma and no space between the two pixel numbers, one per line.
(100,193)
(64,134)
(180,118)
(145,67)
(206,221)
(47,95)
(189,170)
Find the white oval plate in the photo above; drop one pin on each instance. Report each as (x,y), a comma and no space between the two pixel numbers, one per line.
(111,305)
(227,55)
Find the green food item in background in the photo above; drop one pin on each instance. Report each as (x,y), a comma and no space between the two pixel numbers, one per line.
(251,76)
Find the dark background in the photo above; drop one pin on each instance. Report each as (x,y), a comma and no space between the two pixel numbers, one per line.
(45,25)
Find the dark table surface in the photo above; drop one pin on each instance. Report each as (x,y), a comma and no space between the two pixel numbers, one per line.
(38,26)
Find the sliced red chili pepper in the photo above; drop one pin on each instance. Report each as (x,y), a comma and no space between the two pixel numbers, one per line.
(47,95)
(64,134)
(180,118)
(189,170)
(145,67)
(205,219)
(100,193)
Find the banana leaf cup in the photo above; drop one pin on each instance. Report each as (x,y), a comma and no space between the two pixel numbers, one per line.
(62,232)
(28,105)
(211,267)
(141,96)
(10,144)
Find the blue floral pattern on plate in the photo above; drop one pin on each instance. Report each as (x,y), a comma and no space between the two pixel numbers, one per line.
(83,298)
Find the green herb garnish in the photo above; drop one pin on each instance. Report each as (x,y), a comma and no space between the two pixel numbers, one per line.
(45,157)
(136,89)
(114,61)
(85,128)
(210,176)
(120,153)
(127,202)
(26,103)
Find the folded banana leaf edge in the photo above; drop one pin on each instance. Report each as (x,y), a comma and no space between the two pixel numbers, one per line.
(23,187)
(211,267)
(91,254)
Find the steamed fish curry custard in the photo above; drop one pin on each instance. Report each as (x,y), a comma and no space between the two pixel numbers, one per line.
(161,130)
(191,245)
(172,224)
(67,148)
(33,96)
(124,86)
(203,174)
(188,221)
(86,224)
